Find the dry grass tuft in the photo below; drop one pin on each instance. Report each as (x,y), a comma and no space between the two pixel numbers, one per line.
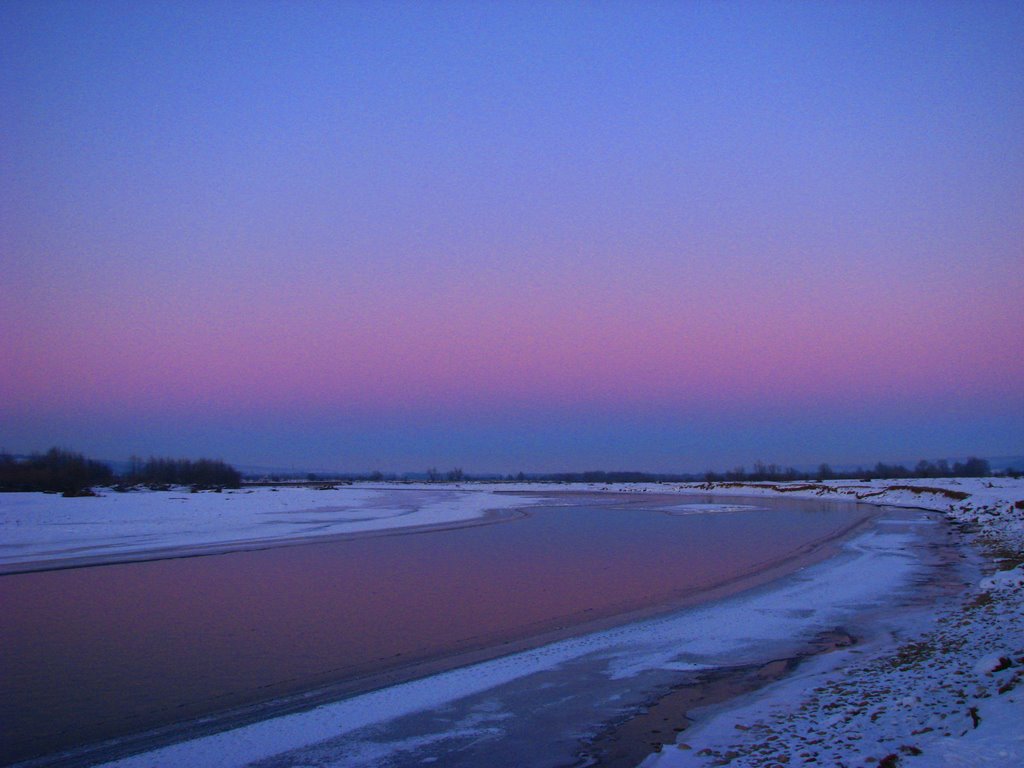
(955,495)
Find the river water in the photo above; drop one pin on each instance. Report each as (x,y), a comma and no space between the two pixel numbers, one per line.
(101,652)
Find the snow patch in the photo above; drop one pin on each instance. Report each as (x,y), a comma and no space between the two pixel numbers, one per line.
(46,527)
(949,692)
(1000,580)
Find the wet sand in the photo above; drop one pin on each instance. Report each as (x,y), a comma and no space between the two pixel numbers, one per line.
(235,637)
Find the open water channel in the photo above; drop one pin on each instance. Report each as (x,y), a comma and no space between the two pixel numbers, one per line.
(96,653)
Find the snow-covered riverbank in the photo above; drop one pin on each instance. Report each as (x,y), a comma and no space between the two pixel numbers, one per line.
(540,707)
(946,694)
(944,687)
(48,530)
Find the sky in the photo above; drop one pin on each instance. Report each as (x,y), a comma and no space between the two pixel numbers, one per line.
(512,236)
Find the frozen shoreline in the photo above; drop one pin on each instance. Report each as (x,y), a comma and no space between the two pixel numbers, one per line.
(373,729)
(822,706)
(946,692)
(47,530)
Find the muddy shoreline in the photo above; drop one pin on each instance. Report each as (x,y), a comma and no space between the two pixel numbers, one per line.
(625,744)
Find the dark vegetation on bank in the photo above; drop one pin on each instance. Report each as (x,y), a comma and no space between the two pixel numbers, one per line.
(56,470)
(972,467)
(70,473)
(761,472)
(202,473)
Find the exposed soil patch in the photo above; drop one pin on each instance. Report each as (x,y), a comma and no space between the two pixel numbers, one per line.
(626,743)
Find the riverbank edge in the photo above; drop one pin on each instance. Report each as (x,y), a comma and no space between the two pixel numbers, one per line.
(988,515)
(977,640)
(487,649)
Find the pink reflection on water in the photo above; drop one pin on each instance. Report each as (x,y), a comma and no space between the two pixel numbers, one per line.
(92,653)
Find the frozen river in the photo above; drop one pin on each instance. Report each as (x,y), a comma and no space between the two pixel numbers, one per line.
(104,651)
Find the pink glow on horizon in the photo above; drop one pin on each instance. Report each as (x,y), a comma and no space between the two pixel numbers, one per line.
(569,234)
(574,341)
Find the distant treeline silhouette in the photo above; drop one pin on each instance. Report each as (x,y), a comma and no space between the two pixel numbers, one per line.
(601,476)
(972,467)
(56,470)
(761,472)
(72,474)
(204,473)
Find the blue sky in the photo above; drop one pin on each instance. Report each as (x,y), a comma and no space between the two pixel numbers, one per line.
(529,236)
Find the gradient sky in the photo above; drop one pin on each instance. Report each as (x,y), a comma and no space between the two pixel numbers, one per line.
(550,236)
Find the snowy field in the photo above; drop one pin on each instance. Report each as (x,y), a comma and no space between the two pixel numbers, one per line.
(932,687)
(41,528)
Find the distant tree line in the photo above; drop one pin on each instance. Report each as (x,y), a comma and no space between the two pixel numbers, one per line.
(601,476)
(202,473)
(774,473)
(56,470)
(972,467)
(455,475)
(72,474)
